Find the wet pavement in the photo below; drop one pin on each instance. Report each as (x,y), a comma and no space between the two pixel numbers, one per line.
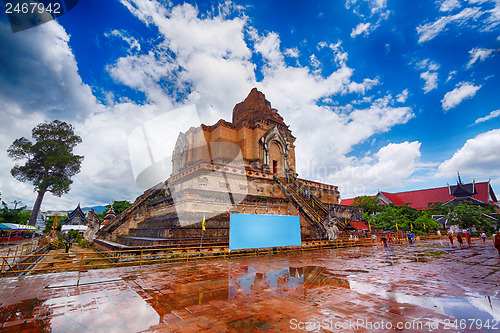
(416,288)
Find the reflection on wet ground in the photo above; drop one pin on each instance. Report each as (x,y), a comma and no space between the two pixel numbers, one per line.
(427,283)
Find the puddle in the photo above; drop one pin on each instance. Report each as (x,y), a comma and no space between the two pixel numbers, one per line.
(251,323)
(283,280)
(481,308)
(19,311)
(74,283)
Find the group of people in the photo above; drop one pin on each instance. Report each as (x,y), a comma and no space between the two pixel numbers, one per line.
(467,235)
(387,238)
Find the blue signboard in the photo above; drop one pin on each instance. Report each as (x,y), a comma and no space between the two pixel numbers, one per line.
(250,231)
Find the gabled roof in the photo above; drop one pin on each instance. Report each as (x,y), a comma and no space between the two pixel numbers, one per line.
(77,212)
(463,190)
(358,225)
(420,199)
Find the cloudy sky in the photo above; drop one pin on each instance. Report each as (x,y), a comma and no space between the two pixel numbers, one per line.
(381,95)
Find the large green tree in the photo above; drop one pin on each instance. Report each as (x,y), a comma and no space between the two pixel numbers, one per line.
(370,205)
(467,216)
(49,162)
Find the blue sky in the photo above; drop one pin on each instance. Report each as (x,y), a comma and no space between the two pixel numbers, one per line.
(381,95)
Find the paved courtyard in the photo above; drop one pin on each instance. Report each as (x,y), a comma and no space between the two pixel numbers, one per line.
(416,288)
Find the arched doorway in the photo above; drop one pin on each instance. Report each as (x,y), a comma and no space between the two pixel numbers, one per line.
(274,152)
(275,159)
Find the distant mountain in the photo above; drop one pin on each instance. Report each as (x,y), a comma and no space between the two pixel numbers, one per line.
(97,209)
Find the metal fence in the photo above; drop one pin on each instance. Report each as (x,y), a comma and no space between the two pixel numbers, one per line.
(19,263)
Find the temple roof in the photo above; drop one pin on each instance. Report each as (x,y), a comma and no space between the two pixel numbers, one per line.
(463,190)
(420,199)
(77,212)
(255,108)
(111,214)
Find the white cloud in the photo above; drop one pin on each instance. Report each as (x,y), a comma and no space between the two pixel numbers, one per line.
(451,75)
(293,52)
(362,28)
(131,41)
(374,7)
(479,157)
(428,31)
(493,114)
(401,98)
(478,54)
(392,165)
(362,88)
(430,80)
(449,5)
(428,64)
(39,73)
(463,91)
(314,61)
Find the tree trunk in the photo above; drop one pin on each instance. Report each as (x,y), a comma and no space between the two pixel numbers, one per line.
(36,207)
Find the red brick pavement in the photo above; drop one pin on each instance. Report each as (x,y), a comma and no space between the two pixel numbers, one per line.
(426,287)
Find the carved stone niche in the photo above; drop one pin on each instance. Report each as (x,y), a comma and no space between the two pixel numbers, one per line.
(179,156)
(274,136)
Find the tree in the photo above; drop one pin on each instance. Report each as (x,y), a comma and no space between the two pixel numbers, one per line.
(16,215)
(467,216)
(49,162)
(403,217)
(437,208)
(370,205)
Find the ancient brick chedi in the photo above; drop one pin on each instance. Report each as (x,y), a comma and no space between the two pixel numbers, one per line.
(247,165)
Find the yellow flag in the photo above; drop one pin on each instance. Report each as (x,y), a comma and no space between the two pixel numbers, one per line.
(203,223)
(397,229)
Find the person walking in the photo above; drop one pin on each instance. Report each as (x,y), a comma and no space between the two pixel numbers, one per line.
(460,239)
(450,237)
(483,236)
(497,241)
(411,235)
(384,239)
(468,238)
(389,238)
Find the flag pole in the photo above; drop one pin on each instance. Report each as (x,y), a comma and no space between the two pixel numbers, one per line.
(202,230)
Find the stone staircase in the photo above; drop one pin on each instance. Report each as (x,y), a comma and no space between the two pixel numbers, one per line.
(309,204)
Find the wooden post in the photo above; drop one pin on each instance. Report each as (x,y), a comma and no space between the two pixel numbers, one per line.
(3,264)
(80,269)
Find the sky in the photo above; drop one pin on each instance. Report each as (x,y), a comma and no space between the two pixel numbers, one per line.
(381,95)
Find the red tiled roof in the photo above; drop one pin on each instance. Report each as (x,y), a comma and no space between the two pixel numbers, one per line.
(419,199)
(394,198)
(358,225)
(347,202)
